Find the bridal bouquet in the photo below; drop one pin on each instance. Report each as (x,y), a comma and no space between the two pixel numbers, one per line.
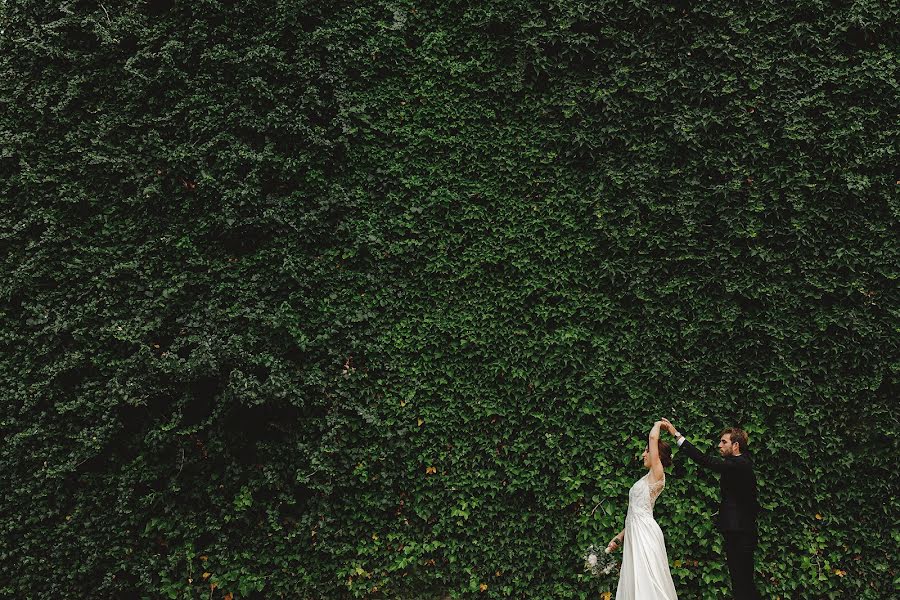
(599,562)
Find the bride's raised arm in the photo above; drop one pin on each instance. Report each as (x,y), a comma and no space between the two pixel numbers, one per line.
(656,466)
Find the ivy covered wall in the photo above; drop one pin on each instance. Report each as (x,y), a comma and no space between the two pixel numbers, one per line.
(379,299)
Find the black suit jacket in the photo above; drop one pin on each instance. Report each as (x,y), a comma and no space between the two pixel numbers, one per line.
(738,506)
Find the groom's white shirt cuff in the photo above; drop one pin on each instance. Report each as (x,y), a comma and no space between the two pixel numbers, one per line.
(680,440)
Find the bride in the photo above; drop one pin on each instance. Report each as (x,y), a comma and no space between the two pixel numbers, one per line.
(645,567)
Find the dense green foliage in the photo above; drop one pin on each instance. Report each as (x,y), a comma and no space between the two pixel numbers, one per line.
(380,299)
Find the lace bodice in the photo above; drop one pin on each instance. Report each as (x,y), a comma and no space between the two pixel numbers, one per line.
(643,494)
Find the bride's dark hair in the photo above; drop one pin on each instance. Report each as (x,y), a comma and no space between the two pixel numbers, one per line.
(665,453)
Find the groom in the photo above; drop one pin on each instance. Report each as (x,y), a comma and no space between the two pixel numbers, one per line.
(738,506)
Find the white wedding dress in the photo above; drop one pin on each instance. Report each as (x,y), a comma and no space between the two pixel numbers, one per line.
(645,567)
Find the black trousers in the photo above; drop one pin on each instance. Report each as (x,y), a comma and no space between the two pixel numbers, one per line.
(739,549)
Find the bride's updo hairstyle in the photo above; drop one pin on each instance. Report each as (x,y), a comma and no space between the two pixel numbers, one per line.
(665,453)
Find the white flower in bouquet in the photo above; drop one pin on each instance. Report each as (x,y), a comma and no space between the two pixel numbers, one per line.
(599,562)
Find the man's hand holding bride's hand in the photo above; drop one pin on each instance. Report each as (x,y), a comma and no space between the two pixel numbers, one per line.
(667,425)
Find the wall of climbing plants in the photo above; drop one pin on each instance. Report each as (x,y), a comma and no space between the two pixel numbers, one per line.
(380,299)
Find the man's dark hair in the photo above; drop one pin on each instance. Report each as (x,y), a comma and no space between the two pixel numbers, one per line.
(737,436)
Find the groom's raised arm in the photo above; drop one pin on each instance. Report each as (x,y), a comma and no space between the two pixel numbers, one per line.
(712,463)
(705,460)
